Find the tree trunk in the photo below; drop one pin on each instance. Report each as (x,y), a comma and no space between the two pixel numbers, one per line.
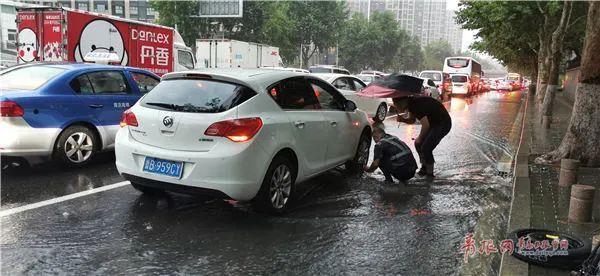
(583,133)
(555,57)
(543,64)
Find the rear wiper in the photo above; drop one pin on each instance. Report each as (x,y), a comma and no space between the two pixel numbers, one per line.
(165,105)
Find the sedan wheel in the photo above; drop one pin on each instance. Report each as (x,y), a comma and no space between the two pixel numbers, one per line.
(277,188)
(355,166)
(281,186)
(79,147)
(75,146)
(381,112)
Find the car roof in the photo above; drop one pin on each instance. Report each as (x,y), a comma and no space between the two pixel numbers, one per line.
(431,71)
(73,65)
(257,79)
(330,76)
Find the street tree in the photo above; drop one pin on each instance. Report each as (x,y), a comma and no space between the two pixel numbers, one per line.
(583,133)
(316,25)
(435,53)
(555,58)
(508,31)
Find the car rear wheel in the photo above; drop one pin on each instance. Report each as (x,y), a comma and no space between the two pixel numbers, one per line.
(76,146)
(147,190)
(381,112)
(361,157)
(277,187)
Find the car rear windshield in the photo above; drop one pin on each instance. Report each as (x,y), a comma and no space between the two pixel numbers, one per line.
(431,75)
(196,96)
(366,78)
(459,78)
(458,62)
(29,77)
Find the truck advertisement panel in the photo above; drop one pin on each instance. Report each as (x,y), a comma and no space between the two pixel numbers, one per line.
(52,44)
(142,46)
(27,46)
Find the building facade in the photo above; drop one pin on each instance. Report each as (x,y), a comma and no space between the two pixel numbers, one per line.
(136,9)
(427,20)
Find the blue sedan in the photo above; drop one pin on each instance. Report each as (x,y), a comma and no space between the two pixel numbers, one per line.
(66,111)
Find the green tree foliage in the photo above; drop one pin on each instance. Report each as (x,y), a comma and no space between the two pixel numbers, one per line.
(378,44)
(435,54)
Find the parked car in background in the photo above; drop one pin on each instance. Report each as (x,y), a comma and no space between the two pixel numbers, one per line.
(66,111)
(505,85)
(441,80)
(374,73)
(367,79)
(375,108)
(461,84)
(328,69)
(249,135)
(430,89)
(291,69)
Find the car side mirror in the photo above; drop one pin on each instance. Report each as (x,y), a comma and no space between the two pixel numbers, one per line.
(350,106)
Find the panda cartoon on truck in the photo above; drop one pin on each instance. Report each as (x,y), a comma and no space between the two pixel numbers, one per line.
(80,36)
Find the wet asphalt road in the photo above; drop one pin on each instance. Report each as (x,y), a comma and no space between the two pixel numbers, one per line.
(338,224)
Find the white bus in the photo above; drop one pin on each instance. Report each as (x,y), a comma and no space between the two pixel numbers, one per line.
(468,66)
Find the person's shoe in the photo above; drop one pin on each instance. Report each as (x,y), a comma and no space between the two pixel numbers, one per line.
(429,170)
(422,171)
(389,180)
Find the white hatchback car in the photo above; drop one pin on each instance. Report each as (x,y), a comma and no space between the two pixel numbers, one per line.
(376,108)
(240,134)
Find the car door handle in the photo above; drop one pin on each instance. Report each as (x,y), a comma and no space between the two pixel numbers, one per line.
(299,124)
(96,105)
(333,123)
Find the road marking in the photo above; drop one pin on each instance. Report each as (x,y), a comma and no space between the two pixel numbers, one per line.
(61,199)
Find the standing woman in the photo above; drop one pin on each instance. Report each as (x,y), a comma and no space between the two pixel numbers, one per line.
(435,124)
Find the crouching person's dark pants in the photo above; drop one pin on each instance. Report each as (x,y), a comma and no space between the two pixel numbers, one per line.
(433,138)
(402,173)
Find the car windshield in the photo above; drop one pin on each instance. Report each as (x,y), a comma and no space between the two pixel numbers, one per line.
(459,78)
(431,75)
(28,78)
(366,78)
(196,96)
(320,70)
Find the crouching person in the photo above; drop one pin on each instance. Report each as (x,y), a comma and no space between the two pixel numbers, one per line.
(392,156)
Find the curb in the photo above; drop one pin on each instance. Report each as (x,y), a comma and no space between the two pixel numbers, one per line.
(520,207)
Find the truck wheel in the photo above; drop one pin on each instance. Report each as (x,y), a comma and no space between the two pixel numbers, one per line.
(75,146)
(277,187)
(381,113)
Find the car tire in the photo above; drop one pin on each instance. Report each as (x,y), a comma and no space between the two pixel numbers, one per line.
(578,251)
(76,146)
(277,188)
(147,190)
(361,157)
(381,113)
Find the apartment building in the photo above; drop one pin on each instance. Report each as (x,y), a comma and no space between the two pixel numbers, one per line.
(132,9)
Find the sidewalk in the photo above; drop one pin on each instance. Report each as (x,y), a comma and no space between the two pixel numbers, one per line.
(538,201)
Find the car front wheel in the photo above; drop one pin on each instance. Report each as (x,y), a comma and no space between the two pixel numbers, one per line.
(361,157)
(381,112)
(277,187)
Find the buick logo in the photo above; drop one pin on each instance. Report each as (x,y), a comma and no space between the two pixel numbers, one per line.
(168,121)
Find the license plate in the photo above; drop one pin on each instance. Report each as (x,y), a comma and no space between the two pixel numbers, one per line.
(163,167)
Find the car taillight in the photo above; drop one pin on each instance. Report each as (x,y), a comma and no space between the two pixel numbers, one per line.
(128,119)
(238,130)
(11,109)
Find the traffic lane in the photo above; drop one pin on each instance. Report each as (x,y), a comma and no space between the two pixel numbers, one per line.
(345,225)
(47,180)
(339,224)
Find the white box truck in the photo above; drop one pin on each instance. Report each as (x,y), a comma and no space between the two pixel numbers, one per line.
(229,53)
